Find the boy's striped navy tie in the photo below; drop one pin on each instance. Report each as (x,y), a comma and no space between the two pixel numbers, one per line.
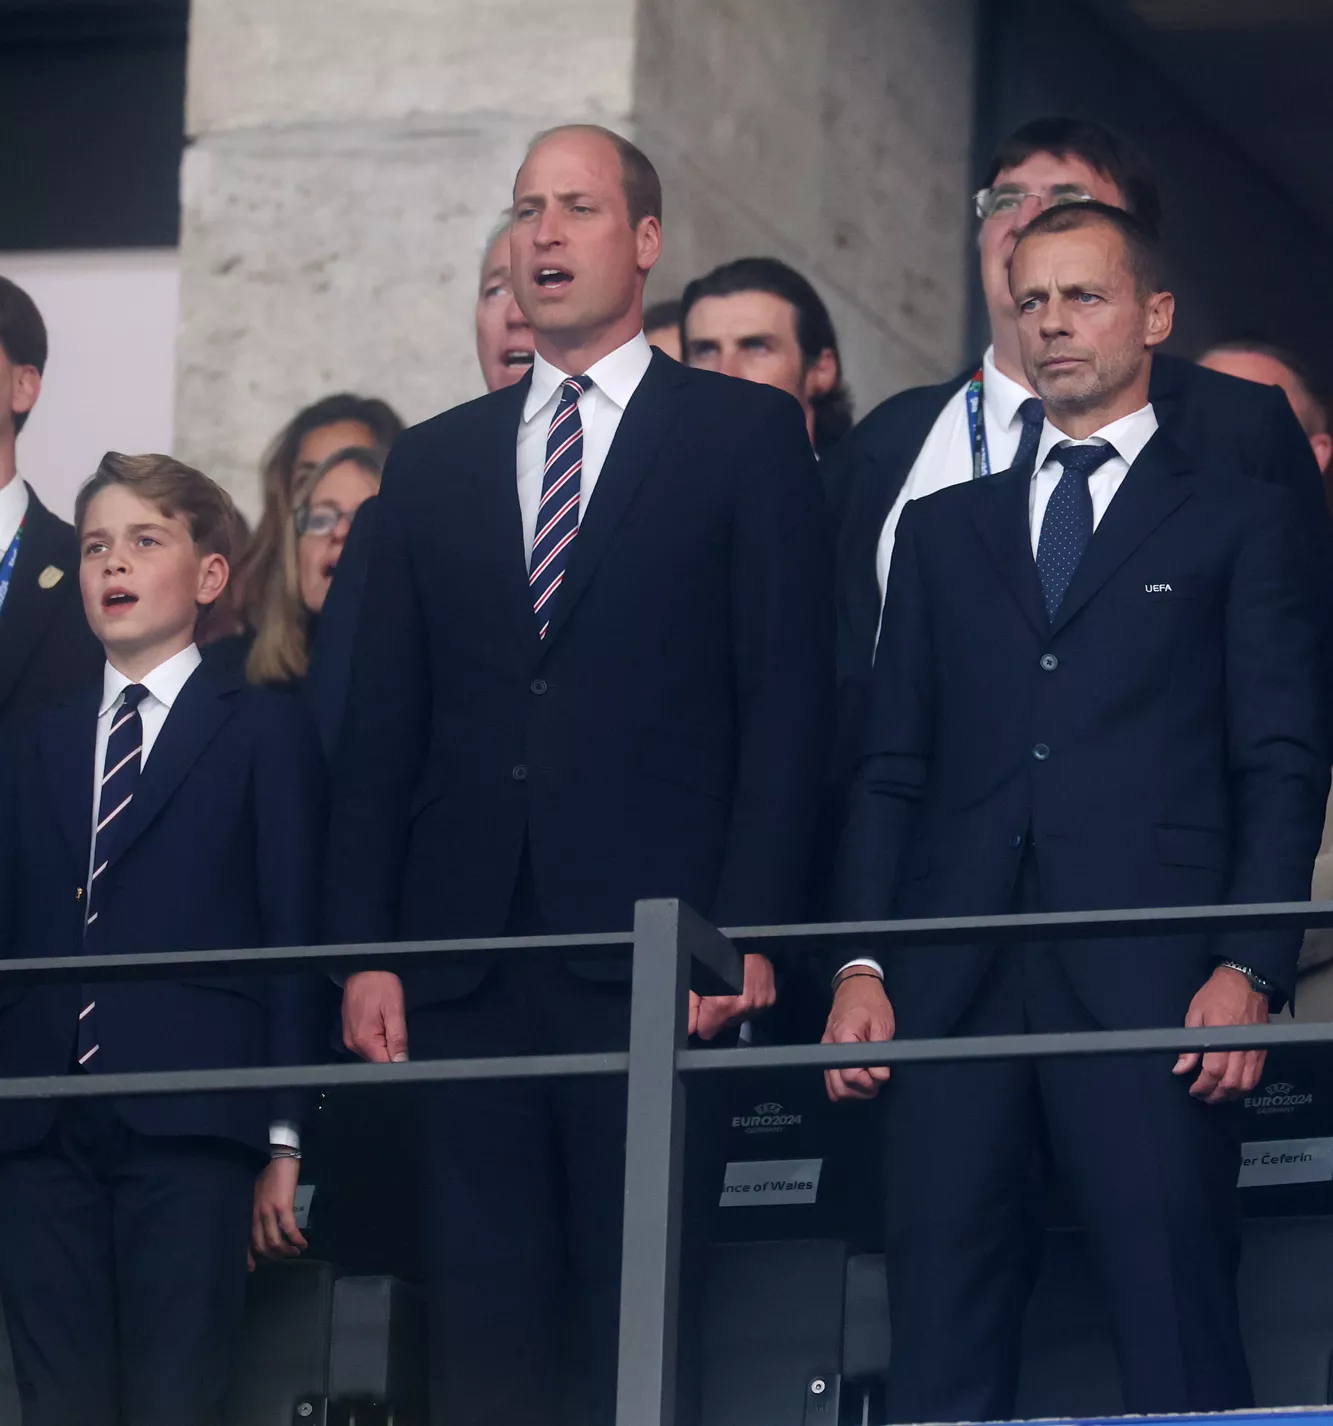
(120,776)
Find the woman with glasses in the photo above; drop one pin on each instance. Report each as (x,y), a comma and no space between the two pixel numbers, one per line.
(324,501)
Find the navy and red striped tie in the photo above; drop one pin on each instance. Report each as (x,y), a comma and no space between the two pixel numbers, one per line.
(558,514)
(120,776)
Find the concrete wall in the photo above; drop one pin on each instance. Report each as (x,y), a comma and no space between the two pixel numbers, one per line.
(349,157)
(836,136)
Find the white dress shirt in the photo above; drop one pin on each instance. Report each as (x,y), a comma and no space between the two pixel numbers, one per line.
(1128,435)
(615,378)
(13,507)
(946,456)
(164,686)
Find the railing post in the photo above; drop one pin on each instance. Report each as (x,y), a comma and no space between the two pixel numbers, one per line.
(654,1163)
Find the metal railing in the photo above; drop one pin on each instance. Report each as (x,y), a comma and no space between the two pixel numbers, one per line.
(672,949)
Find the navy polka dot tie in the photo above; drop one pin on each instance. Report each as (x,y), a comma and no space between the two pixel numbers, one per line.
(1066,526)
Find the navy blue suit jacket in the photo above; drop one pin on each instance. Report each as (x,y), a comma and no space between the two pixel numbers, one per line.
(1226,426)
(47,649)
(1161,741)
(222,850)
(667,738)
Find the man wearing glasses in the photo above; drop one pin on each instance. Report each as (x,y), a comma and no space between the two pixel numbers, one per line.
(987,419)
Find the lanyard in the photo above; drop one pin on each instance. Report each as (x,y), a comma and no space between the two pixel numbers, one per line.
(976,424)
(7,565)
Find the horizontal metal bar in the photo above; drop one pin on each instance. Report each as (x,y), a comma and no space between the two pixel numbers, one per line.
(1004,1047)
(806,938)
(1049,926)
(100,1086)
(268,960)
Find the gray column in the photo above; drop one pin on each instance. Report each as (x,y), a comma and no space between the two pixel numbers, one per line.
(350,156)
(835,135)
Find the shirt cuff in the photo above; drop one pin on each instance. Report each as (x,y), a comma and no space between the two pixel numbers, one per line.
(283,1134)
(863,961)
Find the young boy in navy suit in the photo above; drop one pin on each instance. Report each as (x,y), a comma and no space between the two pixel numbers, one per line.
(166,808)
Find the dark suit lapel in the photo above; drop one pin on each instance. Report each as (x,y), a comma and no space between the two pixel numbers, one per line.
(637,447)
(1000,514)
(201,708)
(1149,493)
(67,740)
(34,594)
(500,522)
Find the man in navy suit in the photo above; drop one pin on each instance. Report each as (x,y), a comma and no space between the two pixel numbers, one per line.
(1097,686)
(988,417)
(166,808)
(594,664)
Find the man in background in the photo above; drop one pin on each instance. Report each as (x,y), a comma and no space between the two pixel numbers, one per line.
(988,419)
(46,647)
(504,338)
(661,325)
(1271,365)
(760,320)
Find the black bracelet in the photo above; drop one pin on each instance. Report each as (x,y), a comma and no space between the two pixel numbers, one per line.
(852,974)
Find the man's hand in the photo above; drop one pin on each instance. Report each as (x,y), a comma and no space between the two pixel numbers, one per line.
(273,1230)
(374,1021)
(861,1013)
(710,1014)
(1225,998)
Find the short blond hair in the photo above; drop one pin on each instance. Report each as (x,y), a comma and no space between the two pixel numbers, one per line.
(175,490)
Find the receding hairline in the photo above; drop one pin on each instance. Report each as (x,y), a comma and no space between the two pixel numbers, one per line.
(639,179)
(1143,265)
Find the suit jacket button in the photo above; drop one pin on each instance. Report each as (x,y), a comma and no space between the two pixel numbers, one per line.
(1049,662)
(1041,752)
(538,685)
(78,893)
(520,773)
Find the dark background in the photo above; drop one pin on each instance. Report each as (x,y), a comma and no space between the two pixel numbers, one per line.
(92,122)
(1230,99)
(1232,103)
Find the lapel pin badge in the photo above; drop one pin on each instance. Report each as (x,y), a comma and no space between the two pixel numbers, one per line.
(50,576)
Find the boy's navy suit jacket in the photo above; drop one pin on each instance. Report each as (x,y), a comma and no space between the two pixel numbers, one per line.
(222,850)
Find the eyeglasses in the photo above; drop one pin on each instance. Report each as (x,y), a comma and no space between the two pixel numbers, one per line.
(993,201)
(321,519)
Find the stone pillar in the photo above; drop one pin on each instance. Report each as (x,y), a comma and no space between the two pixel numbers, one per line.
(836,136)
(348,158)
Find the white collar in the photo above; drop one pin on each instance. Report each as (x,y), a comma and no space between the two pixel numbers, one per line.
(164,683)
(13,507)
(1002,394)
(616,375)
(1129,434)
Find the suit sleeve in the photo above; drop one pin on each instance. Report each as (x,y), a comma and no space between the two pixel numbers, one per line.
(890,777)
(1278,751)
(385,732)
(782,630)
(290,817)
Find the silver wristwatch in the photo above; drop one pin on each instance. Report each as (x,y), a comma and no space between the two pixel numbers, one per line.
(1257,982)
